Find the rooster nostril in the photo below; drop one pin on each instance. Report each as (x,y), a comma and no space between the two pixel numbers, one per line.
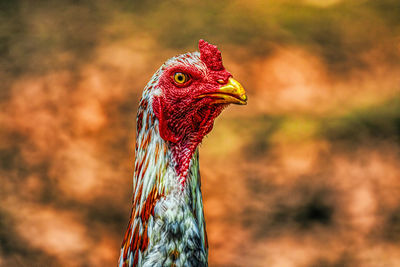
(220,81)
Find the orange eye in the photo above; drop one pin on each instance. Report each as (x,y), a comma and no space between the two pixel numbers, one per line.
(181,78)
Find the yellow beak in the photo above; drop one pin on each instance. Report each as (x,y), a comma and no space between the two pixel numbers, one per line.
(230,93)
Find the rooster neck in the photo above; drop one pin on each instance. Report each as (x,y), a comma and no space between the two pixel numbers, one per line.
(167,220)
(156,164)
(171,167)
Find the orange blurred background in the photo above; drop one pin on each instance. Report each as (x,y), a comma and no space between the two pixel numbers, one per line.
(306,175)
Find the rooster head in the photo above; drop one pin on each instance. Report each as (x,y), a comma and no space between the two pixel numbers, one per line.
(193,89)
(187,94)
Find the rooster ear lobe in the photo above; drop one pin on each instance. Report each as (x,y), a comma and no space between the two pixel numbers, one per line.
(165,132)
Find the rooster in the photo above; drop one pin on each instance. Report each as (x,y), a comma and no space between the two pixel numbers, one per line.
(176,111)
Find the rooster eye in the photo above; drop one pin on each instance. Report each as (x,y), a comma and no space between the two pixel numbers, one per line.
(181,78)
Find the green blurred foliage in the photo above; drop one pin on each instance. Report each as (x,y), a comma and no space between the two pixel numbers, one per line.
(380,122)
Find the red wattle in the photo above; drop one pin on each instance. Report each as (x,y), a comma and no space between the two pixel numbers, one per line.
(164,130)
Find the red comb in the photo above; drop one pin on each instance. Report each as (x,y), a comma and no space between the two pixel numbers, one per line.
(210,55)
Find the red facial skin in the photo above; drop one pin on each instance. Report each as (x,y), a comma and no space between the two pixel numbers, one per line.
(184,118)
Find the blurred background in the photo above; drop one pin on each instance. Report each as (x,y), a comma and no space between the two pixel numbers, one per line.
(306,175)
